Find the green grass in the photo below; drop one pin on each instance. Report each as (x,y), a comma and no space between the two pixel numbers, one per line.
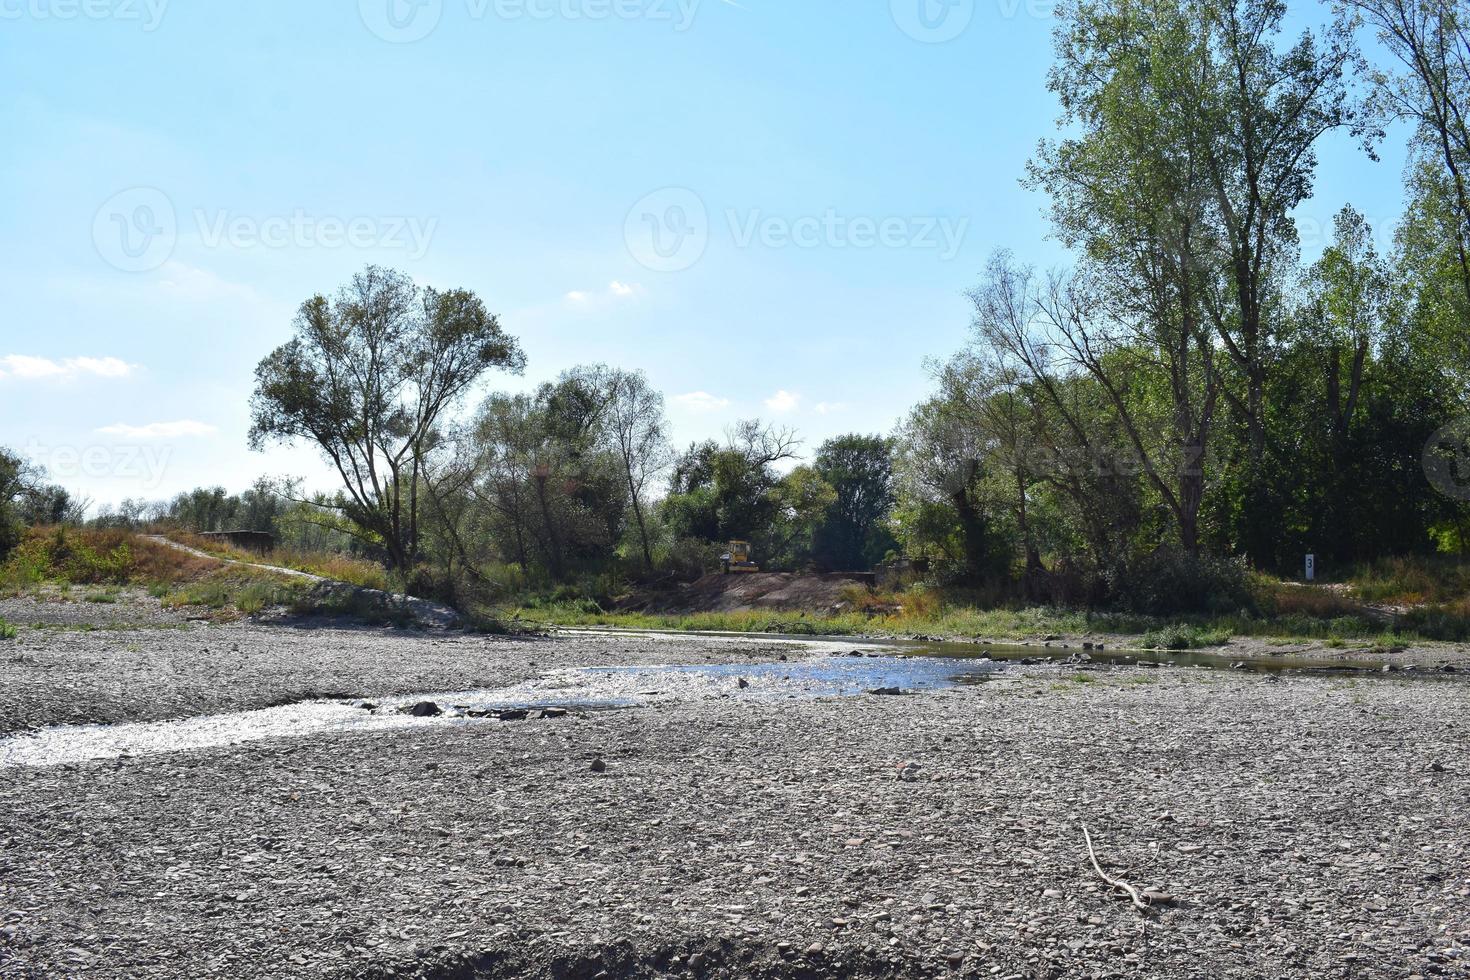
(7,631)
(246,594)
(1335,623)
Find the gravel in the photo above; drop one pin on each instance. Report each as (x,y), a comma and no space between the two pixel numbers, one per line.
(1305,827)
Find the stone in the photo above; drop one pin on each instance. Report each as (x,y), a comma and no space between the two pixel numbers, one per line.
(598,765)
(423,709)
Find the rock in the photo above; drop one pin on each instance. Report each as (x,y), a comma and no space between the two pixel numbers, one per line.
(815,949)
(598,765)
(513,714)
(553,712)
(887,691)
(423,709)
(744,683)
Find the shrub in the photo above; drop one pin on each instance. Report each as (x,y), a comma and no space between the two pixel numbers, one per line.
(7,631)
(74,557)
(1170,582)
(1180,637)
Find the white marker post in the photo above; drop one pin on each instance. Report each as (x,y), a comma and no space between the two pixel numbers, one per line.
(1311,568)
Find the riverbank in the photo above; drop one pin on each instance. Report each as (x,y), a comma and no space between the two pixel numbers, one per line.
(1047,629)
(733,835)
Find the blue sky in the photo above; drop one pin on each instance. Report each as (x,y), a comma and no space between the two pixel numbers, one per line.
(772,206)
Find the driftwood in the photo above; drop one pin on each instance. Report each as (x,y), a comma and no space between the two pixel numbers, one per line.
(1139,899)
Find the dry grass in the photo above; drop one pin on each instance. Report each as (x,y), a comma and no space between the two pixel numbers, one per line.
(337,567)
(86,557)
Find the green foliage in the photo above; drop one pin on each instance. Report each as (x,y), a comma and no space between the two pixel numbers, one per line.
(7,631)
(367,378)
(1181,637)
(853,534)
(71,557)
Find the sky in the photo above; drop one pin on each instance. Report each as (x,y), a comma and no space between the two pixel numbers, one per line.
(772,207)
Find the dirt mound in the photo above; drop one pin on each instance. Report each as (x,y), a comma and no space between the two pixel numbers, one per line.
(785,591)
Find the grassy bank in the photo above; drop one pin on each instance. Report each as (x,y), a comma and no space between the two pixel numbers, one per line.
(96,566)
(1282,610)
(338,568)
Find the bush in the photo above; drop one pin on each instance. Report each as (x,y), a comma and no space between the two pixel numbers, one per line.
(1179,637)
(7,632)
(73,557)
(1170,582)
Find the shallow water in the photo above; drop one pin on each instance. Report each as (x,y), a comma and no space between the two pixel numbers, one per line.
(822,667)
(1059,653)
(577,690)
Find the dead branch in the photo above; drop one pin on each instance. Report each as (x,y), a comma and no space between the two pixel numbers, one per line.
(1133,893)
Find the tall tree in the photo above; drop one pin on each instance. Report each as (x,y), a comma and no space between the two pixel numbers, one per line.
(368,377)
(859,469)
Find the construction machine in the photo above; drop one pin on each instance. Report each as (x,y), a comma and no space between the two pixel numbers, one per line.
(737,559)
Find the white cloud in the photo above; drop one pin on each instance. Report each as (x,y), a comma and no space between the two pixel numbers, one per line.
(26,368)
(829,408)
(615,290)
(159,430)
(783,401)
(701,401)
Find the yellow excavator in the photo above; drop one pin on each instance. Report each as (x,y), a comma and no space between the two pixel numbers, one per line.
(737,559)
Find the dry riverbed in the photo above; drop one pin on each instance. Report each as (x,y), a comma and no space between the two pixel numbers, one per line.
(1304,826)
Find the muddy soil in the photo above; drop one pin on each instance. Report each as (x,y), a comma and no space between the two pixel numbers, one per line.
(1301,826)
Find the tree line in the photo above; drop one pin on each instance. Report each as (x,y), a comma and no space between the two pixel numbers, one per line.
(1186,400)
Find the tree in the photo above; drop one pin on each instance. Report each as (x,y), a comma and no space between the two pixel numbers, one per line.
(368,377)
(638,432)
(1431,41)
(719,493)
(1197,140)
(859,469)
